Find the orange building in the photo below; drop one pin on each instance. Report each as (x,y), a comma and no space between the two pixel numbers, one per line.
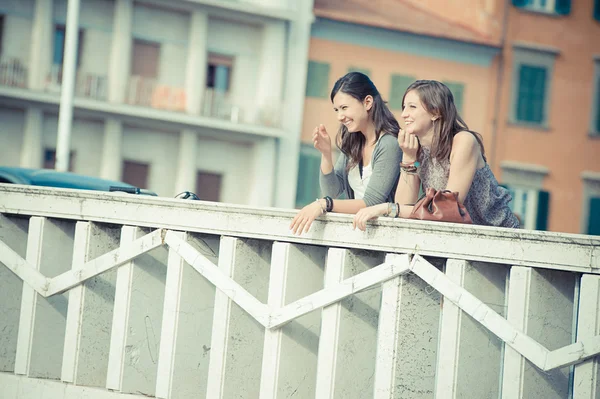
(521,74)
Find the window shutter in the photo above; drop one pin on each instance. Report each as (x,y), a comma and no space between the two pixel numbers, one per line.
(519,3)
(597,10)
(532,92)
(594,217)
(317,79)
(399,85)
(563,7)
(598,101)
(457,90)
(543,206)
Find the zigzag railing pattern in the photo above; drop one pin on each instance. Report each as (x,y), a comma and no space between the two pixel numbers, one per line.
(274,318)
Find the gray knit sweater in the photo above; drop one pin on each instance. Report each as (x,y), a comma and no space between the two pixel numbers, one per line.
(385,165)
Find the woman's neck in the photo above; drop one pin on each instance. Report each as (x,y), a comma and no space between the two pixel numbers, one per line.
(369,134)
(427,139)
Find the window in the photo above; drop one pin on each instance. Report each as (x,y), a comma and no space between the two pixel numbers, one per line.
(399,85)
(59,45)
(135,173)
(317,79)
(208,186)
(561,7)
(50,159)
(308,176)
(365,71)
(457,90)
(595,119)
(218,76)
(597,10)
(532,74)
(145,58)
(1,31)
(590,213)
(529,201)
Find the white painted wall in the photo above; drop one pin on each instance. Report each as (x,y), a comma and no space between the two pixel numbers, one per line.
(11,135)
(16,39)
(160,150)
(96,50)
(244,43)
(171,67)
(23,8)
(86,140)
(233,161)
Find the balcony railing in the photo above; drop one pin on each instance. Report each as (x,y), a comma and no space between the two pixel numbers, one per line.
(176,298)
(86,84)
(13,72)
(149,93)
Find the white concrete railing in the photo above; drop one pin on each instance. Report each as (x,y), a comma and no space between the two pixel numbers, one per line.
(118,293)
(86,84)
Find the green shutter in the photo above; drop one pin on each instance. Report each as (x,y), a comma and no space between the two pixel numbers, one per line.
(597,10)
(365,71)
(594,217)
(543,206)
(399,85)
(598,102)
(317,79)
(563,7)
(531,94)
(457,90)
(308,188)
(519,3)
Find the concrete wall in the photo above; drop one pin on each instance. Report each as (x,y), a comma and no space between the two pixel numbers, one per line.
(16,37)
(11,135)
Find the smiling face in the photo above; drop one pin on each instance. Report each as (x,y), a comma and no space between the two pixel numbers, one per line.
(417,119)
(351,112)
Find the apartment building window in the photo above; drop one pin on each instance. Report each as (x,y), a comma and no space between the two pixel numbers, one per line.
(595,115)
(208,186)
(50,159)
(458,90)
(398,86)
(145,58)
(135,173)
(530,202)
(59,45)
(561,7)
(317,79)
(590,214)
(218,75)
(597,10)
(1,31)
(532,75)
(365,71)
(308,176)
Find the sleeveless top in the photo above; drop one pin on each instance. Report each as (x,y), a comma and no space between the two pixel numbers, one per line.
(486,201)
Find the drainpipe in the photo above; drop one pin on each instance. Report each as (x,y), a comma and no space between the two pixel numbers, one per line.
(499,81)
(65,114)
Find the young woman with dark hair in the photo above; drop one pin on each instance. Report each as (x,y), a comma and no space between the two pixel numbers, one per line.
(369,165)
(442,153)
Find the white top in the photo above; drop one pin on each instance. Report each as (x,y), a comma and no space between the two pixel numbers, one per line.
(358,185)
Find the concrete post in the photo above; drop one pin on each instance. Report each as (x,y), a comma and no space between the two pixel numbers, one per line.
(32,150)
(120,52)
(41,44)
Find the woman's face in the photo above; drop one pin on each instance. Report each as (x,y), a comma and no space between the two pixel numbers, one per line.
(351,112)
(417,120)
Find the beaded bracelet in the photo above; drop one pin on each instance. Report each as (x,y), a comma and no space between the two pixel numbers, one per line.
(329,202)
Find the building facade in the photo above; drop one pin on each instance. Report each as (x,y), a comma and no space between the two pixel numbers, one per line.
(524,75)
(169,95)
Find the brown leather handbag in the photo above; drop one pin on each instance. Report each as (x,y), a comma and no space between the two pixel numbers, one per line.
(441,206)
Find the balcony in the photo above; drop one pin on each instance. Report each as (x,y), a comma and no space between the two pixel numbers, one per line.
(103,294)
(13,72)
(87,85)
(148,93)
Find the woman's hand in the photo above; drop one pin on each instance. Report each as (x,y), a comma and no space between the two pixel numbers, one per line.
(409,144)
(361,217)
(322,141)
(303,220)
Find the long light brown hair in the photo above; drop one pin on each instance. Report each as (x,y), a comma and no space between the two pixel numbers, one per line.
(359,86)
(438,100)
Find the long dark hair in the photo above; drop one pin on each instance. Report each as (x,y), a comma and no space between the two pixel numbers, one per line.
(359,86)
(438,100)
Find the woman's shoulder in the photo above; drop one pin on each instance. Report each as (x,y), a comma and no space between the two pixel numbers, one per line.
(464,141)
(388,140)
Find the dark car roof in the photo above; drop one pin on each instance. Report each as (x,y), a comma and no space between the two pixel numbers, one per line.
(52,178)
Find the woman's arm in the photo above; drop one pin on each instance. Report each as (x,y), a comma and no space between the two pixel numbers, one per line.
(333,184)
(385,171)
(407,190)
(465,159)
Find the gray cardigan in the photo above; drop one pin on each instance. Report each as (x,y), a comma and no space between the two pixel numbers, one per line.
(385,165)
